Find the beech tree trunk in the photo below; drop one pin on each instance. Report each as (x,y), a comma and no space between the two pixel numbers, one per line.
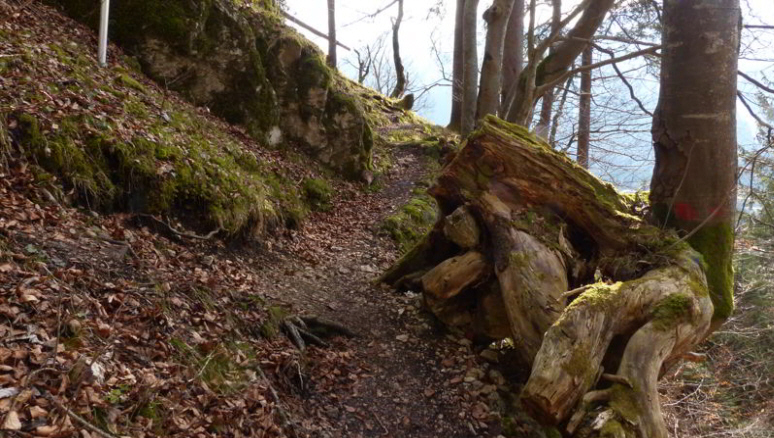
(513,55)
(496,18)
(469,67)
(694,134)
(455,120)
(548,97)
(332,61)
(584,109)
(400,72)
(523,230)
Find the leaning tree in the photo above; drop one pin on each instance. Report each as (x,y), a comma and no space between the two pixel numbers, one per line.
(600,292)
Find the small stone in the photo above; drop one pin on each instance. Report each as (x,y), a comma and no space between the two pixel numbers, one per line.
(490,355)
(465,342)
(402,338)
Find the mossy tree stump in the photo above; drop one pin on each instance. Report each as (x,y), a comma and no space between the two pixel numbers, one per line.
(532,247)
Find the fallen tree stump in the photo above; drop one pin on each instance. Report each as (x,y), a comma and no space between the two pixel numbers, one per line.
(520,226)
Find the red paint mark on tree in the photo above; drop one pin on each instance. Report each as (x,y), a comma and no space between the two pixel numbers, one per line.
(685,212)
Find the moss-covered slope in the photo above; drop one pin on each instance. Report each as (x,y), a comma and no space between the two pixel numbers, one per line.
(242,62)
(116,141)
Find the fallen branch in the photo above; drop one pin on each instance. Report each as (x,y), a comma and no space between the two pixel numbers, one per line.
(209,235)
(286,423)
(78,418)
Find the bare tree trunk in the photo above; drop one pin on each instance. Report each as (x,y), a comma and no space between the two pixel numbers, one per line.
(470,67)
(332,62)
(694,135)
(537,72)
(455,121)
(496,18)
(513,54)
(584,110)
(400,73)
(559,112)
(548,97)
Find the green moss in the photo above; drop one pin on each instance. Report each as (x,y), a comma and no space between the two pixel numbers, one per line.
(624,403)
(128,81)
(671,311)
(318,193)
(518,259)
(599,295)
(187,170)
(271,326)
(409,224)
(612,429)
(578,365)
(716,245)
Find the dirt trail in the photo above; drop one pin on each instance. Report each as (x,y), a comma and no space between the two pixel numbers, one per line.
(418,382)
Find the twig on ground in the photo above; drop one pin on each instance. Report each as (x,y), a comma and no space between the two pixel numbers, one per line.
(286,423)
(209,235)
(78,418)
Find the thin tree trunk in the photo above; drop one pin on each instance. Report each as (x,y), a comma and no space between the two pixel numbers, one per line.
(537,73)
(584,110)
(559,112)
(694,135)
(513,54)
(470,67)
(548,98)
(455,121)
(400,73)
(332,62)
(496,18)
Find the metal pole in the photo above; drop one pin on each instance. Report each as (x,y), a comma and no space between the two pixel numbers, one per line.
(103,32)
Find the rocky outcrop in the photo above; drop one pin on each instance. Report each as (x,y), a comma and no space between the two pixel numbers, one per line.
(247,67)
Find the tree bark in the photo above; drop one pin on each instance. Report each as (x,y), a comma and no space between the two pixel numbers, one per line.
(520,225)
(694,135)
(548,97)
(496,18)
(400,73)
(513,55)
(332,61)
(455,120)
(470,67)
(584,110)
(539,72)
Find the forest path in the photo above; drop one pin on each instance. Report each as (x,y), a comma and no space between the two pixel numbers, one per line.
(402,376)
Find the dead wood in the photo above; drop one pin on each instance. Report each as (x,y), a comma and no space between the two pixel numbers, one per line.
(533,247)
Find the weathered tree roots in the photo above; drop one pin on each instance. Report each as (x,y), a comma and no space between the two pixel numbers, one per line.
(303,330)
(532,247)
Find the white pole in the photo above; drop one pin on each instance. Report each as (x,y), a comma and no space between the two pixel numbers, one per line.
(103,32)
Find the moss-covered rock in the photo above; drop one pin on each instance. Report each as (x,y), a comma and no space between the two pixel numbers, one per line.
(409,225)
(212,185)
(247,67)
(318,193)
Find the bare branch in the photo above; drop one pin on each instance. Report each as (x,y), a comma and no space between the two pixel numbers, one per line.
(752,113)
(544,87)
(756,82)
(371,16)
(624,80)
(311,29)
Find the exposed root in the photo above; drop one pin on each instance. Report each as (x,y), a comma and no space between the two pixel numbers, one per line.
(303,330)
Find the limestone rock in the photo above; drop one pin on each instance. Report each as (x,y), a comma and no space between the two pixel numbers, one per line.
(247,67)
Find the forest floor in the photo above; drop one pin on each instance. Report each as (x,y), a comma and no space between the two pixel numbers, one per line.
(127,325)
(167,325)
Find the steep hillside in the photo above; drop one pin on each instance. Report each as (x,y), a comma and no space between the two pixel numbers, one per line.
(130,305)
